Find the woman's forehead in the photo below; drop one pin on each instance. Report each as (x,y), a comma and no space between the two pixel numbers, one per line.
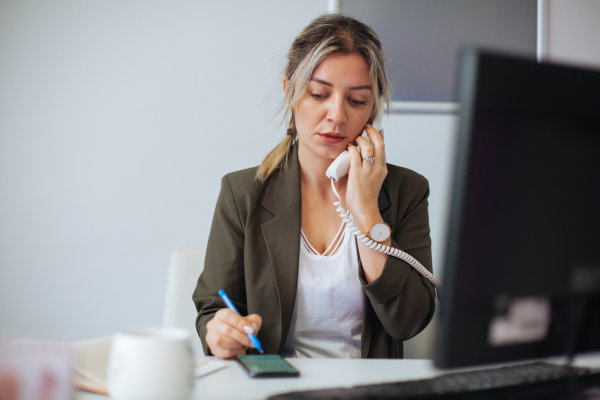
(347,70)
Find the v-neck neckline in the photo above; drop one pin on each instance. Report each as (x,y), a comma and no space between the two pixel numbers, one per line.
(339,239)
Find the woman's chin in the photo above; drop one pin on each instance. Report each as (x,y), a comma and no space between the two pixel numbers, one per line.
(327,151)
(331,153)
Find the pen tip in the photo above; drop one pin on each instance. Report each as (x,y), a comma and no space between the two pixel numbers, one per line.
(261,352)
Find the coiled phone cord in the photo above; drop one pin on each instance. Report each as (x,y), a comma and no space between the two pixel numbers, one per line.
(381,247)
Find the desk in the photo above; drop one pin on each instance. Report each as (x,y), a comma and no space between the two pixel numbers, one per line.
(233,383)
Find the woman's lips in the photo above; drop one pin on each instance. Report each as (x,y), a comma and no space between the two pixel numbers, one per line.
(331,138)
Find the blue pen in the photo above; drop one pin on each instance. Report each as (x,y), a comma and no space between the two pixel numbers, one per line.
(230,305)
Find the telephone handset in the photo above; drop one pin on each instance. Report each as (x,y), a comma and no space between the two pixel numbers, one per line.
(338,169)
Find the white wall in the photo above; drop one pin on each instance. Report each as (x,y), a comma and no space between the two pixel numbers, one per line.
(425,143)
(117,121)
(574,32)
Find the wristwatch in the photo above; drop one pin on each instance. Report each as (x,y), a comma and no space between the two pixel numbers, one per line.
(379,232)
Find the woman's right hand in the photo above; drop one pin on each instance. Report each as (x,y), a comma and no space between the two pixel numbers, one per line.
(226,333)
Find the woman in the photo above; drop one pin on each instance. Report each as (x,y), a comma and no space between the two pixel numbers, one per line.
(277,245)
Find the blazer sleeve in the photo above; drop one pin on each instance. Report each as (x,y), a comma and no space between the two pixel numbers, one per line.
(402,299)
(223,264)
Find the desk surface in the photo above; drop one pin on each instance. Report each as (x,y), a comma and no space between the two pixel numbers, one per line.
(233,383)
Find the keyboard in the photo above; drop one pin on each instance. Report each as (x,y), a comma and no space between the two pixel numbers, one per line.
(514,382)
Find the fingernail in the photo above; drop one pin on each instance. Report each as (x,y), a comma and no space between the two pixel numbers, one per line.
(367,125)
(249,330)
(255,326)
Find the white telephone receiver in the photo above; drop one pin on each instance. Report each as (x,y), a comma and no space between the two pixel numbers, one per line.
(338,169)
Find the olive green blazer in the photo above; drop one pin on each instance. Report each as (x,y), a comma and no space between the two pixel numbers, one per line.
(253,252)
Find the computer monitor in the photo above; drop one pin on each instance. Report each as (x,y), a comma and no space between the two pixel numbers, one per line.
(521,273)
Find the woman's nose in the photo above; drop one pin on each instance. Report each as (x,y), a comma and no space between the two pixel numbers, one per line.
(336,112)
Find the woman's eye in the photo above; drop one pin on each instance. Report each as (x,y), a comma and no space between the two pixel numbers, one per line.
(358,102)
(317,96)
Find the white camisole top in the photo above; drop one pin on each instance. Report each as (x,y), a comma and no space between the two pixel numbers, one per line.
(327,317)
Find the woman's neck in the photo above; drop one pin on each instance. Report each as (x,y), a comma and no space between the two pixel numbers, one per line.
(313,169)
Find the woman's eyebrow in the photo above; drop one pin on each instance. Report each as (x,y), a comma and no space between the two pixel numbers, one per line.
(329,84)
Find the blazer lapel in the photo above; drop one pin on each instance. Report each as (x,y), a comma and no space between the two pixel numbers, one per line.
(282,236)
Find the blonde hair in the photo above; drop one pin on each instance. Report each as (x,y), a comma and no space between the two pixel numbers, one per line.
(326,35)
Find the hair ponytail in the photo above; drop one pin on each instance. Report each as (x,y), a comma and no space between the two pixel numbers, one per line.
(275,159)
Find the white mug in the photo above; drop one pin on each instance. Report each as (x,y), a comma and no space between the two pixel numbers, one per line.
(151,364)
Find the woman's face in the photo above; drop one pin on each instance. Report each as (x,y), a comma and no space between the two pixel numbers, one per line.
(336,106)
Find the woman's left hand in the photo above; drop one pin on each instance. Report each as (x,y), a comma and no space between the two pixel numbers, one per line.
(365,179)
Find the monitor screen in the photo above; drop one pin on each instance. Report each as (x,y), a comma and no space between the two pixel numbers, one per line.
(522,252)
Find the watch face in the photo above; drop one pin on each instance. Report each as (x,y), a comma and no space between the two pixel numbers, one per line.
(379,232)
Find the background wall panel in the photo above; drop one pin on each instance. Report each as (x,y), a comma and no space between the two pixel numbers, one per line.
(422,37)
